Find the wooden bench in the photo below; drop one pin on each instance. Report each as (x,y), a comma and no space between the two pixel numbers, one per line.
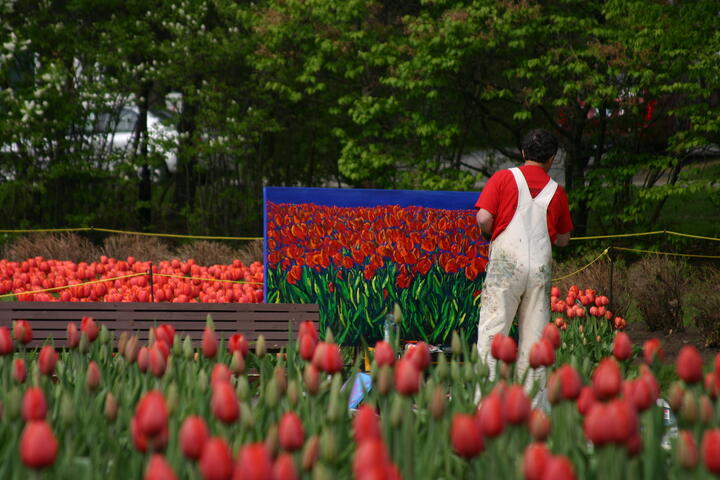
(272,320)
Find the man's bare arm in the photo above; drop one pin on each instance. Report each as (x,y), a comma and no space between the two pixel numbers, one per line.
(485,221)
(562,239)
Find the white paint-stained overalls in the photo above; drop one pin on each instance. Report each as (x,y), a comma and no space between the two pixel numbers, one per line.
(518,279)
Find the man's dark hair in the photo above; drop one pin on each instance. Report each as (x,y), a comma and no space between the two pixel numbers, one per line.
(539,145)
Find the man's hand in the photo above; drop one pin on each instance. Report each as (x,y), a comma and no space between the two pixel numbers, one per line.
(562,239)
(485,221)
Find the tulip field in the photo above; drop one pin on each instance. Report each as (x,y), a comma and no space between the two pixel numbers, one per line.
(110,407)
(115,280)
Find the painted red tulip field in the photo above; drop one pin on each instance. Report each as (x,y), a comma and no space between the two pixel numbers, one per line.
(355,261)
(110,407)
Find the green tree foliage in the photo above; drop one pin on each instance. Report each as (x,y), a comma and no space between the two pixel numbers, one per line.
(367,93)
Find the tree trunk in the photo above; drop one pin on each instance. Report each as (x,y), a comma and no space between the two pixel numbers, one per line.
(141,151)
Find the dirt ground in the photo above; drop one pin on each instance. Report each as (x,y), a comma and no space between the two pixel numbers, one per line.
(673,342)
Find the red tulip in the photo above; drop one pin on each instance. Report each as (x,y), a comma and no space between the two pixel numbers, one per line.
(585,400)
(369,455)
(73,335)
(143,359)
(490,415)
(542,354)
(517,405)
(419,355)
(216,462)
(535,460)
(465,436)
(652,349)
(92,377)
(366,424)
(507,350)
(384,354)
(711,450)
(622,346)
(689,364)
(606,379)
(38,446)
(539,425)
(308,328)
(407,377)
(34,406)
(165,333)
(209,343)
(552,334)
(163,347)
(254,463)
(19,372)
(220,373)
(290,432)
(159,469)
(564,384)
(157,360)
(597,426)
(623,418)
(238,343)
(712,385)
(284,468)
(307,345)
(640,394)
(22,331)
(311,377)
(224,403)
(193,435)
(686,452)
(89,328)
(47,360)
(151,414)
(6,343)
(327,358)
(558,468)
(141,441)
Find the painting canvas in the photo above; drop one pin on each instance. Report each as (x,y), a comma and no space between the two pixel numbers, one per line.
(358,252)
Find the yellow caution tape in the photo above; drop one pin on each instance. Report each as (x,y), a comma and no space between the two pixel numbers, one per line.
(620,235)
(637,250)
(604,252)
(693,236)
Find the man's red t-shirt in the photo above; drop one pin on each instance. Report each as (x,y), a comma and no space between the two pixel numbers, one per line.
(500,197)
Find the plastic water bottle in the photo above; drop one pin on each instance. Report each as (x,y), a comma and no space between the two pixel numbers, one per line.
(389,328)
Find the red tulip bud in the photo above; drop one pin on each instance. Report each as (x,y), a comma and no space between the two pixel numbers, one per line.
(237,364)
(539,425)
(711,450)
(307,345)
(652,350)
(38,446)
(366,424)
(92,377)
(34,406)
(284,468)
(254,461)
(291,433)
(238,343)
(622,346)
(6,343)
(220,373)
(151,414)
(465,436)
(585,400)
(209,343)
(606,379)
(535,460)
(19,372)
(224,403)
(22,331)
(193,436)
(552,334)
(490,415)
(216,462)
(73,335)
(558,468)
(327,358)
(407,377)
(143,359)
(504,348)
(159,469)
(47,360)
(384,354)
(419,355)
(368,456)
(157,360)
(686,450)
(311,377)
(517,405)
(542,354)
(689,364)
(89,328)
